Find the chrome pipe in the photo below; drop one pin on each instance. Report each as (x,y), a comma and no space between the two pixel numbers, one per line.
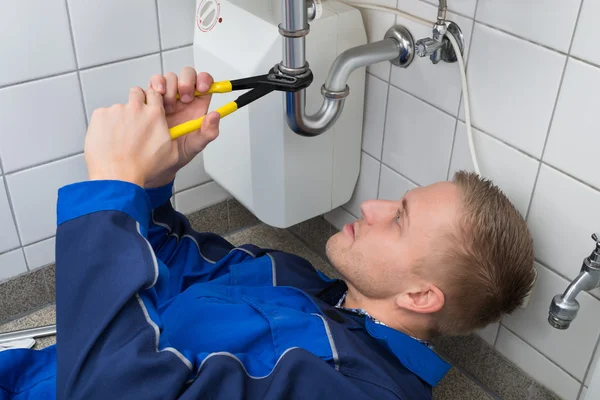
(359,57)
(335,89)
(294,28)
(49,330)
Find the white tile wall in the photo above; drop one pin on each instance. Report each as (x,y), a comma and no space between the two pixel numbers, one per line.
(583,42)
(110,30)
(9,238)
(574,139)
(40,254)
(514,84)
(200,197)
(418,138)
(366,187)
(539,367)
(375,109)
(56,104)
(559,19)
(12,264)
(513,88)
(33,194)
(177,20)
(109,84)
(35,40)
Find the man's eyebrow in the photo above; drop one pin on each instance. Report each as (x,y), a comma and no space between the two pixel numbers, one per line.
(405,210)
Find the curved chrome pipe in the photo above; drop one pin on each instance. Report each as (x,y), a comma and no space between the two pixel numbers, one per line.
(335,89)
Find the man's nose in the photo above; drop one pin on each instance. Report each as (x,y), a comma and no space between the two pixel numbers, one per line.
(374,211)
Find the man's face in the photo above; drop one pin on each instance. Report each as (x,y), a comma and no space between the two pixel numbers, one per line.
(376,254)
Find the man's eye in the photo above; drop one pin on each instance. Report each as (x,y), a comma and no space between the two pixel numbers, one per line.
(398,216)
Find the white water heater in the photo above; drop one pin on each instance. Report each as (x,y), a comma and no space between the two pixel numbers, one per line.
(280,176)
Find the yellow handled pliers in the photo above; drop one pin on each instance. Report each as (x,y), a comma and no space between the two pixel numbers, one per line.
(261,86)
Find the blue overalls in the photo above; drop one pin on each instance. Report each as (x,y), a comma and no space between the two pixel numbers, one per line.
(147,308)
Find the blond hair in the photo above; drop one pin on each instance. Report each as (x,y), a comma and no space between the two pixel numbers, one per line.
(491,262)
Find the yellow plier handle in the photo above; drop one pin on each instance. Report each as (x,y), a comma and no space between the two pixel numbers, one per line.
(195,124)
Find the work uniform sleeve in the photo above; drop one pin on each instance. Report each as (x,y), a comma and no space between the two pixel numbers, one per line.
(107,324)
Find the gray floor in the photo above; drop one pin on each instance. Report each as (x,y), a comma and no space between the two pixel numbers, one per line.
(454,386)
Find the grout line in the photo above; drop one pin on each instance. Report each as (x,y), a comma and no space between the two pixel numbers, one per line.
(120,61)
(14,216)
(45,163)
(542,354)
(72,36)
(26,81)
(560,85)
(162,69)
(575,27)
(590,366)
(497,334)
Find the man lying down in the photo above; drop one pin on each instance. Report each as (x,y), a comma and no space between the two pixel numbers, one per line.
(147,308)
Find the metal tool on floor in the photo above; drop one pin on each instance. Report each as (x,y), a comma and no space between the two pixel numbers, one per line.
(261,85)
(32,333)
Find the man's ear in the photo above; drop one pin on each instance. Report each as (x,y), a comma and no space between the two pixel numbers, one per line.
(425,299)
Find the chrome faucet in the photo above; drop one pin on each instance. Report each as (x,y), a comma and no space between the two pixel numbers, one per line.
(564,308)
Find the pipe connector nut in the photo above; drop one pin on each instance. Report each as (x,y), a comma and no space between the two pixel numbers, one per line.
(335,95)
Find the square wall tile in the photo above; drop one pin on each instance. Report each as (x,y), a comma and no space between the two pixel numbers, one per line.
(516,16)
(177,19)
(564,214)
(536,365)
(41,253)
(422,78)
(489,333)
(465,7)
(418,139)
(8,239)
(12,264)
(339,217)
(200,197)
(512,97)
(36,40)
(574,140)
(595,364)
(531,324)
(34,193)
(375,107)
(392,185)
(192,174)
(62,116)
(513,171)
(584,44)
(110,84)
(377,24)
(366,187)
(175,60)
(111,30)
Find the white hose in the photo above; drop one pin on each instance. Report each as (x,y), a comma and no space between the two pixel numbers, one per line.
(461,67)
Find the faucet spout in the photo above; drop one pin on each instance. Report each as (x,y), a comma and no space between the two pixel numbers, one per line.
(564,308)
